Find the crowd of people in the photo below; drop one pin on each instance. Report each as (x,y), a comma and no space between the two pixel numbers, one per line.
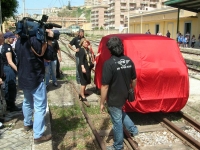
(186,40)
(26,60)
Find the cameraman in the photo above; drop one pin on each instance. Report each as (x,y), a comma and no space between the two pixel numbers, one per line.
(30,76)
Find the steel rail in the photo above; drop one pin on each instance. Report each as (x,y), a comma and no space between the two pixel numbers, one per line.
(132,143)
(187,139)
(193,53)
(95,133)
(191,121)
(98,138)
(194,69)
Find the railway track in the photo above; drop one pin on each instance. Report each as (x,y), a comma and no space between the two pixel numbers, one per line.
(186,139)
(133,144)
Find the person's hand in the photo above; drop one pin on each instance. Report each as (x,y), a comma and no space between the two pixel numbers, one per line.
(83,70)
(49,33)
(102,108)
(77,50)
(59,59)
(1,82)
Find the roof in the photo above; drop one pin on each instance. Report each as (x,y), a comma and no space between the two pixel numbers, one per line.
(190,5)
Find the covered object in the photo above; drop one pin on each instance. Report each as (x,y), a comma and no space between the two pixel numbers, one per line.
(162,75)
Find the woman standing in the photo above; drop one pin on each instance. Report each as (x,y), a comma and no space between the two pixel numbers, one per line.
(85,66)
(10,70)
(193,40)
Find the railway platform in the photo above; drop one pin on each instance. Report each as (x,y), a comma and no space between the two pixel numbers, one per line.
(13,136)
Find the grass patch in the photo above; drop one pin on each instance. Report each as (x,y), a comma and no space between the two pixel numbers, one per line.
(68,68)
(71,78)
(93,110)
(67,119)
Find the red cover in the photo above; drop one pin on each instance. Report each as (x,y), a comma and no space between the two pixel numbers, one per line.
(162,75)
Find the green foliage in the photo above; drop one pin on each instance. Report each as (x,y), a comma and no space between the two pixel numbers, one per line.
(96,28)
(101,28)
(69,5)
(75,13)
(67,118)
(92,110)
(8,8)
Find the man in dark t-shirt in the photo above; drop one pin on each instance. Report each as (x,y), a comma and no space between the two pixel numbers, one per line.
(76,41)
(114,89)
(50,65)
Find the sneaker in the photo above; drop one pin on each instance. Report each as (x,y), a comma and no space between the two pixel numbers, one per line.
(134,134)
(42,139)
(55,84)
(28,128)
(1,125)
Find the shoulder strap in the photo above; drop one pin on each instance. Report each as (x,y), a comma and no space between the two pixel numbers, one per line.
(43,49)
(123,74)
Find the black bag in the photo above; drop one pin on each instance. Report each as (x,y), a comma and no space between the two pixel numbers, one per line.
(91,65)
(131,94)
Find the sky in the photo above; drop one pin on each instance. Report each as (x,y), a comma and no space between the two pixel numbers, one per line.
(32,5)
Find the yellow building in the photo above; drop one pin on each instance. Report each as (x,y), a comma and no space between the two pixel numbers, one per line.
(166,19)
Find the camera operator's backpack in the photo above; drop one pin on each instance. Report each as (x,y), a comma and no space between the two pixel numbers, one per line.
(29,27)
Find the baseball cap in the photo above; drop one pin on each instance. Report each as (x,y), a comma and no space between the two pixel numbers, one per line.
(9,35)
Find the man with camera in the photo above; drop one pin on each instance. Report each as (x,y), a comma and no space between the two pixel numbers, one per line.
(31,72)
(114,89)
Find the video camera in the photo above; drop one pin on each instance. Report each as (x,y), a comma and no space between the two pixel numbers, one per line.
(28,27)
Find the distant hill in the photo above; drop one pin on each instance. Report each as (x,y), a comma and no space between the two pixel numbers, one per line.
(76,12)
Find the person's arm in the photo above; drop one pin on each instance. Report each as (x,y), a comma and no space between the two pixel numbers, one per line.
(92,52)
(70,45)
(134,82)
(104,92)
(1,82)
(81,60)
(58,51)
(10,62)
(59,56)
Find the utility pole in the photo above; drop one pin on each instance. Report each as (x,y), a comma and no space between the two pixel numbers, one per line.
(0,17)
(128,15)
(24,8)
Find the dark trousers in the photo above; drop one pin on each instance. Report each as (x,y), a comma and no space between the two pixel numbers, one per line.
(10,86)
(57,69)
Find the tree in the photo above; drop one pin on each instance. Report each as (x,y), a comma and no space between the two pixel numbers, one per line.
(8,8)
(69,5)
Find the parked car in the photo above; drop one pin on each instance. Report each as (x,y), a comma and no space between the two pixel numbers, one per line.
(162,74)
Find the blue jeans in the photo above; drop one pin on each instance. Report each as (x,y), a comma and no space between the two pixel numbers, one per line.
(50,68)
(10,86)
(35,102)
(118,118)
(77,73)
